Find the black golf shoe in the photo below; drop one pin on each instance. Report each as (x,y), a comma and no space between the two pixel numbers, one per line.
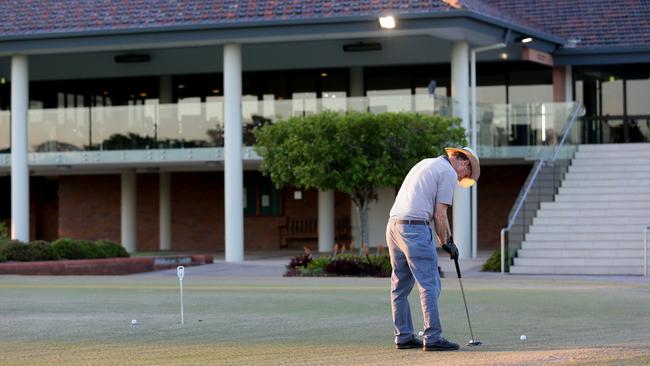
(440,345)
(414,342)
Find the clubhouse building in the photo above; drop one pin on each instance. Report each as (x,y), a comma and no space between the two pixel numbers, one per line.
(132,121)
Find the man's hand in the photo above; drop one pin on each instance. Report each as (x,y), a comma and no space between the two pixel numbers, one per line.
(451,248)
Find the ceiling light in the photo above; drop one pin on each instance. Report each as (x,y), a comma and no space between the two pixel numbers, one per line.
(362,47)
(526,39)
(132,58)
(387,22)
(503,55)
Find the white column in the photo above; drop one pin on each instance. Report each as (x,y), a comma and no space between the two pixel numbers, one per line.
(462,230)
(165,212)
(128,217)
(233,167)
(326,221)
(568,84)
(19,165)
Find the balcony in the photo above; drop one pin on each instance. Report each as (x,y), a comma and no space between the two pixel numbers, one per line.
(193,131)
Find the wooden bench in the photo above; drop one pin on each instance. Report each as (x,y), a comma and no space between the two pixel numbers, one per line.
(307,229)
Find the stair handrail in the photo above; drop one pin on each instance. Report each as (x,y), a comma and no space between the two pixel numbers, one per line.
(578,110)
(645,251)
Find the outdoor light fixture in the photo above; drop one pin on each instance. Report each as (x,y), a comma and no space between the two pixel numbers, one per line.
(525,39)
(132,58)
(362,47)
(387,22)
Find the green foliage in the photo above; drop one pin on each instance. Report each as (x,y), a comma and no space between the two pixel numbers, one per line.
(39,250)
(111,249)
(4,234)
(13,250)
(342,265)
(493,264)
(353,152)
(77,249)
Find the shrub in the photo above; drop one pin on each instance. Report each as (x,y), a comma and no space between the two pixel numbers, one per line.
(4,234)
(111,249)
(299,261)
(340,265)
(344,266)
(493,264)
(13,250)
(77,249)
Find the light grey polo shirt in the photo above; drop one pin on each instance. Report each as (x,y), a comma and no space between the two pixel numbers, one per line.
(429,182)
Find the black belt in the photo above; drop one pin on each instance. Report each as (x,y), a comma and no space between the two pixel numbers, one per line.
(412,222)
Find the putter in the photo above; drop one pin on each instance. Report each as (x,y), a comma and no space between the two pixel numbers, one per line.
(472,341)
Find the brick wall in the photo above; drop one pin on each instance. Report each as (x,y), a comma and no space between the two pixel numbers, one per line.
(89,207)
(497,192)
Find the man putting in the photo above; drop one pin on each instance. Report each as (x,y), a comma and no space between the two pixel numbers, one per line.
(425,195)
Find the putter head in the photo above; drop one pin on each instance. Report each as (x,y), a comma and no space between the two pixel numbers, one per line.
(474,343)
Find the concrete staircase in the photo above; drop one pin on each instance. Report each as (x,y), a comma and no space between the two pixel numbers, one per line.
(595,224)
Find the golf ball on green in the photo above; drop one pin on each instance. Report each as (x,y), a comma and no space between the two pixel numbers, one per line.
(134,322)
(523,337)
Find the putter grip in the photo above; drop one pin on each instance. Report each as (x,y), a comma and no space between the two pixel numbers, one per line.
(457,267)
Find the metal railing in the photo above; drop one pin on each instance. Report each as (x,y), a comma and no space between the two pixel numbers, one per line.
(519,204)
(645,251)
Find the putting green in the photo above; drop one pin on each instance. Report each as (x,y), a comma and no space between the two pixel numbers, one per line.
(313,321)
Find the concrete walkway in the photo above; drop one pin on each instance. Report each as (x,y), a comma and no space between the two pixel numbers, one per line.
(272,264)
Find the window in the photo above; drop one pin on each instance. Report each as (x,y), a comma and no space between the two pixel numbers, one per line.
(261,198)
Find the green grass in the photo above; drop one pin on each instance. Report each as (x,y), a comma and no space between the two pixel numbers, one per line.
(328,321)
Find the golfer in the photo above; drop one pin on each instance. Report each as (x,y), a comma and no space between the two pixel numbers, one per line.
(423,198)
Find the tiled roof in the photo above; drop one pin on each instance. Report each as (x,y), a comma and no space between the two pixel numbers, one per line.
(60,16)
(33,17)
(596,23)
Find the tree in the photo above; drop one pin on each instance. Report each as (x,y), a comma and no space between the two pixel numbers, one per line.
(354,153)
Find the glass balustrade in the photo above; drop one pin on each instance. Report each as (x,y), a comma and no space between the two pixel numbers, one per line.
(502,130)
(5,131)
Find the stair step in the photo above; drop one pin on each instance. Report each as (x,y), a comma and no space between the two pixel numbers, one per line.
(595,168)
(642,146)
(576,245)
(606,183)
(612,191)
(578,270)
(630,160)
(596,205)
(645,153)
(607,175)
(614,237)
(577,229)
(621,197)
(586,213)
(606,218)
(580,253)
(579,261)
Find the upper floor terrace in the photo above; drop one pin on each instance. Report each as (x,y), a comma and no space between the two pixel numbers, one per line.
(191,133)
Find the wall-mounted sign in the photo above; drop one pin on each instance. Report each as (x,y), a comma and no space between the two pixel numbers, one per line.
(539,57)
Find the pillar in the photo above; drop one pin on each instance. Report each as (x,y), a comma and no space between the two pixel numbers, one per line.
(19,165)
(326,221)
(462,229)
(128,217)
(233,166)
(165,212)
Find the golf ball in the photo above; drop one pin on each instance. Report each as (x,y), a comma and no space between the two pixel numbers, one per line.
(523,337)
(420,333)
(134,322)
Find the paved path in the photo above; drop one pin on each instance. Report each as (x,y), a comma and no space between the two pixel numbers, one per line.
(273,264)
